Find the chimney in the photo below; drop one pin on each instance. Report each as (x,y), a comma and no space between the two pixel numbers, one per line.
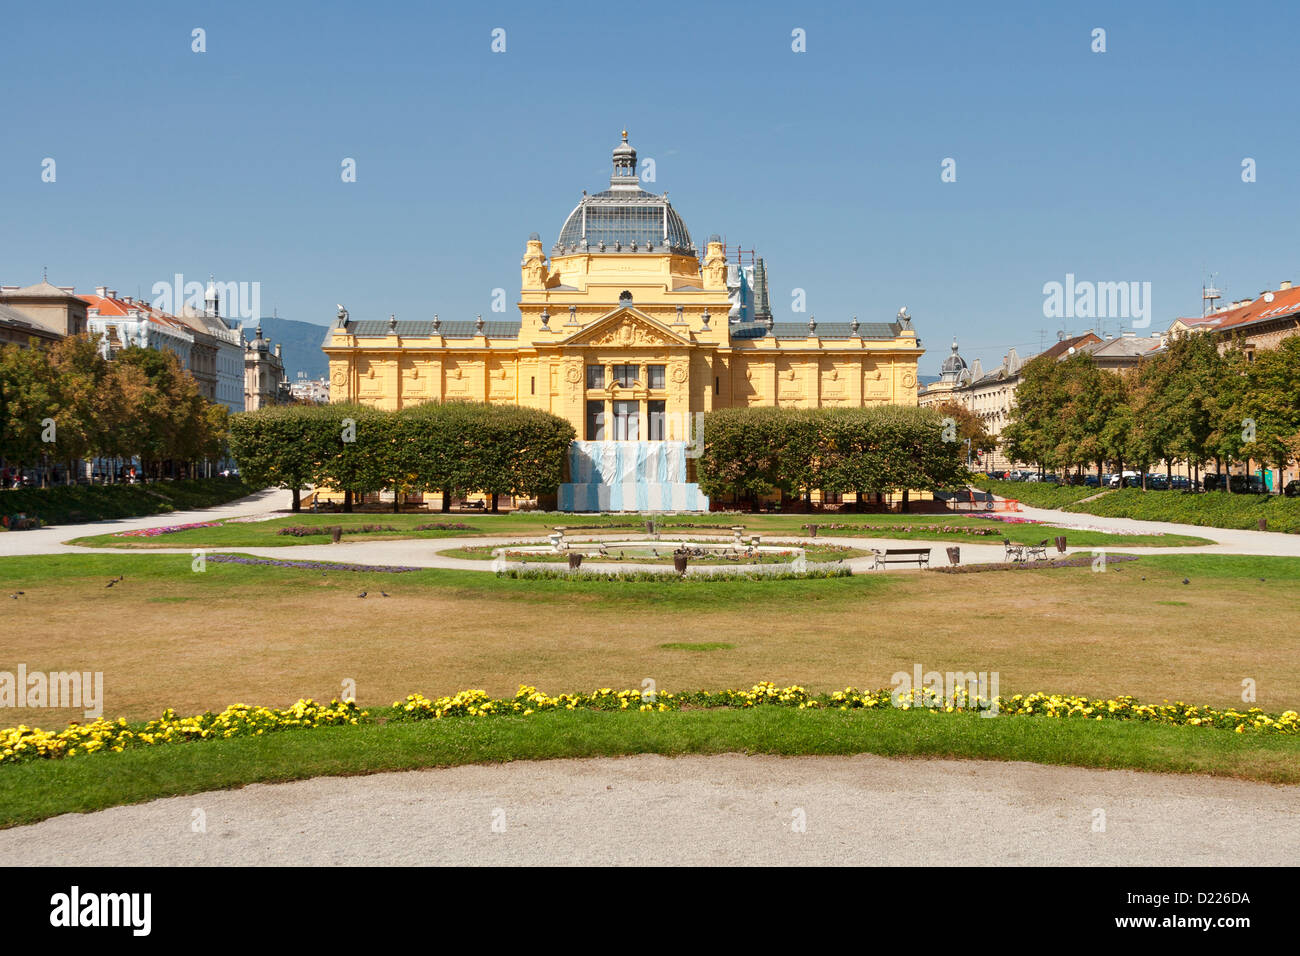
(1284,285)
(112,293)
(101,291)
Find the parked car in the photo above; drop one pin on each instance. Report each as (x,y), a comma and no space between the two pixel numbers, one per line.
(1248,485)
(1292,488)
(1180,483)
(1158,482)
(1127,480)
(1092,481)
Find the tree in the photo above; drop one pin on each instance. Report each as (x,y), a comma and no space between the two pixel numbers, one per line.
(1270,403)
(31,402)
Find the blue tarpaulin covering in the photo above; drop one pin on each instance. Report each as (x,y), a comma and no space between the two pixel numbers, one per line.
(629,476)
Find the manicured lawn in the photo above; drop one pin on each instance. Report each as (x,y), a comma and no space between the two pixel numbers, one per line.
(79,503)
(913,527)
(169,637)
(41,789)
(1215,509)
(1037,494)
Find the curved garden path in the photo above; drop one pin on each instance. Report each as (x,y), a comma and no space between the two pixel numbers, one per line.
(426,552)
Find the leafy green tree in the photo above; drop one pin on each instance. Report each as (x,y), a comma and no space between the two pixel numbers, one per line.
(1270,402)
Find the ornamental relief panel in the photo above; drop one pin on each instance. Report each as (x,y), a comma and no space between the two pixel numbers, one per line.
(628,333)
(457,380)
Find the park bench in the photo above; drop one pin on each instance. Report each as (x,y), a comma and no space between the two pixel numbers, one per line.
(901,556)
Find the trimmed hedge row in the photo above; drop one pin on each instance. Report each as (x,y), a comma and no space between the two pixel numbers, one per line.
(750,453)
(451,447)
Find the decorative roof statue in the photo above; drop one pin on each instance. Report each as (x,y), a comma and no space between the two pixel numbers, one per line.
(853,326)
(812,324)
(392,322)
(342,317)
(904,319)
(478,324)
(437,322)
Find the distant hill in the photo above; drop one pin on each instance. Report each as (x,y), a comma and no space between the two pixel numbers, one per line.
(927,379)
(299,344)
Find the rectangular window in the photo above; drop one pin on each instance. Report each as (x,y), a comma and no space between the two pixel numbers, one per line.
(596,421)
(627,421)
(717,385)
(657,376)
(625,375)
(532,385)
(658,424)
(595,376)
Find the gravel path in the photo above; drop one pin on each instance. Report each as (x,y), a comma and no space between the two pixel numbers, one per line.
(728,809)
(424,552)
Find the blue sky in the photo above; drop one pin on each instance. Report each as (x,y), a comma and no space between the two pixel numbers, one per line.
(1115,166)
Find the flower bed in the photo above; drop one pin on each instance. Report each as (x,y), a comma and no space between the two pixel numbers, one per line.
(23,743)
(306,531)
(667,576)
(529,700)
(20,744)
(896,528)
(165,529)
(1075,561)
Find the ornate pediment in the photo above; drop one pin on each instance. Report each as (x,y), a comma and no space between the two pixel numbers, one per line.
(626,327)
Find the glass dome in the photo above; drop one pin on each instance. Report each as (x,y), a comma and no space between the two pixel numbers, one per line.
(624,218)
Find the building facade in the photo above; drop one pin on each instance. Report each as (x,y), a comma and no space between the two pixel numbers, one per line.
(264,380)
(54,309)
(627,331)
(123,322)
(1259,323)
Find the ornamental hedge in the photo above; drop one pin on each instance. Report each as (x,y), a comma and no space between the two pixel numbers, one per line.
(452,447)
(753,453)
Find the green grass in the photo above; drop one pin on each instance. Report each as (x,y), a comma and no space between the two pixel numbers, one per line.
(1037,494)
(80,503)
(1214,509)
(35,791)
(265,534)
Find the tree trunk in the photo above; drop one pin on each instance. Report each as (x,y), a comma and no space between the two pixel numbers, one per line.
(906,506)
(446,501)
(297,500)
(495,510)
(397,502)
(347,502)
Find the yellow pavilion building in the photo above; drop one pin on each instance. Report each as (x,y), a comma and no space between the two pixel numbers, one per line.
(627,332)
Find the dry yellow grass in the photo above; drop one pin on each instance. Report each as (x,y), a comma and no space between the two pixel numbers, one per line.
(193,645)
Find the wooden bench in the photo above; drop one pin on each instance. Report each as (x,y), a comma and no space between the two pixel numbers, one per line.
(901,556)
